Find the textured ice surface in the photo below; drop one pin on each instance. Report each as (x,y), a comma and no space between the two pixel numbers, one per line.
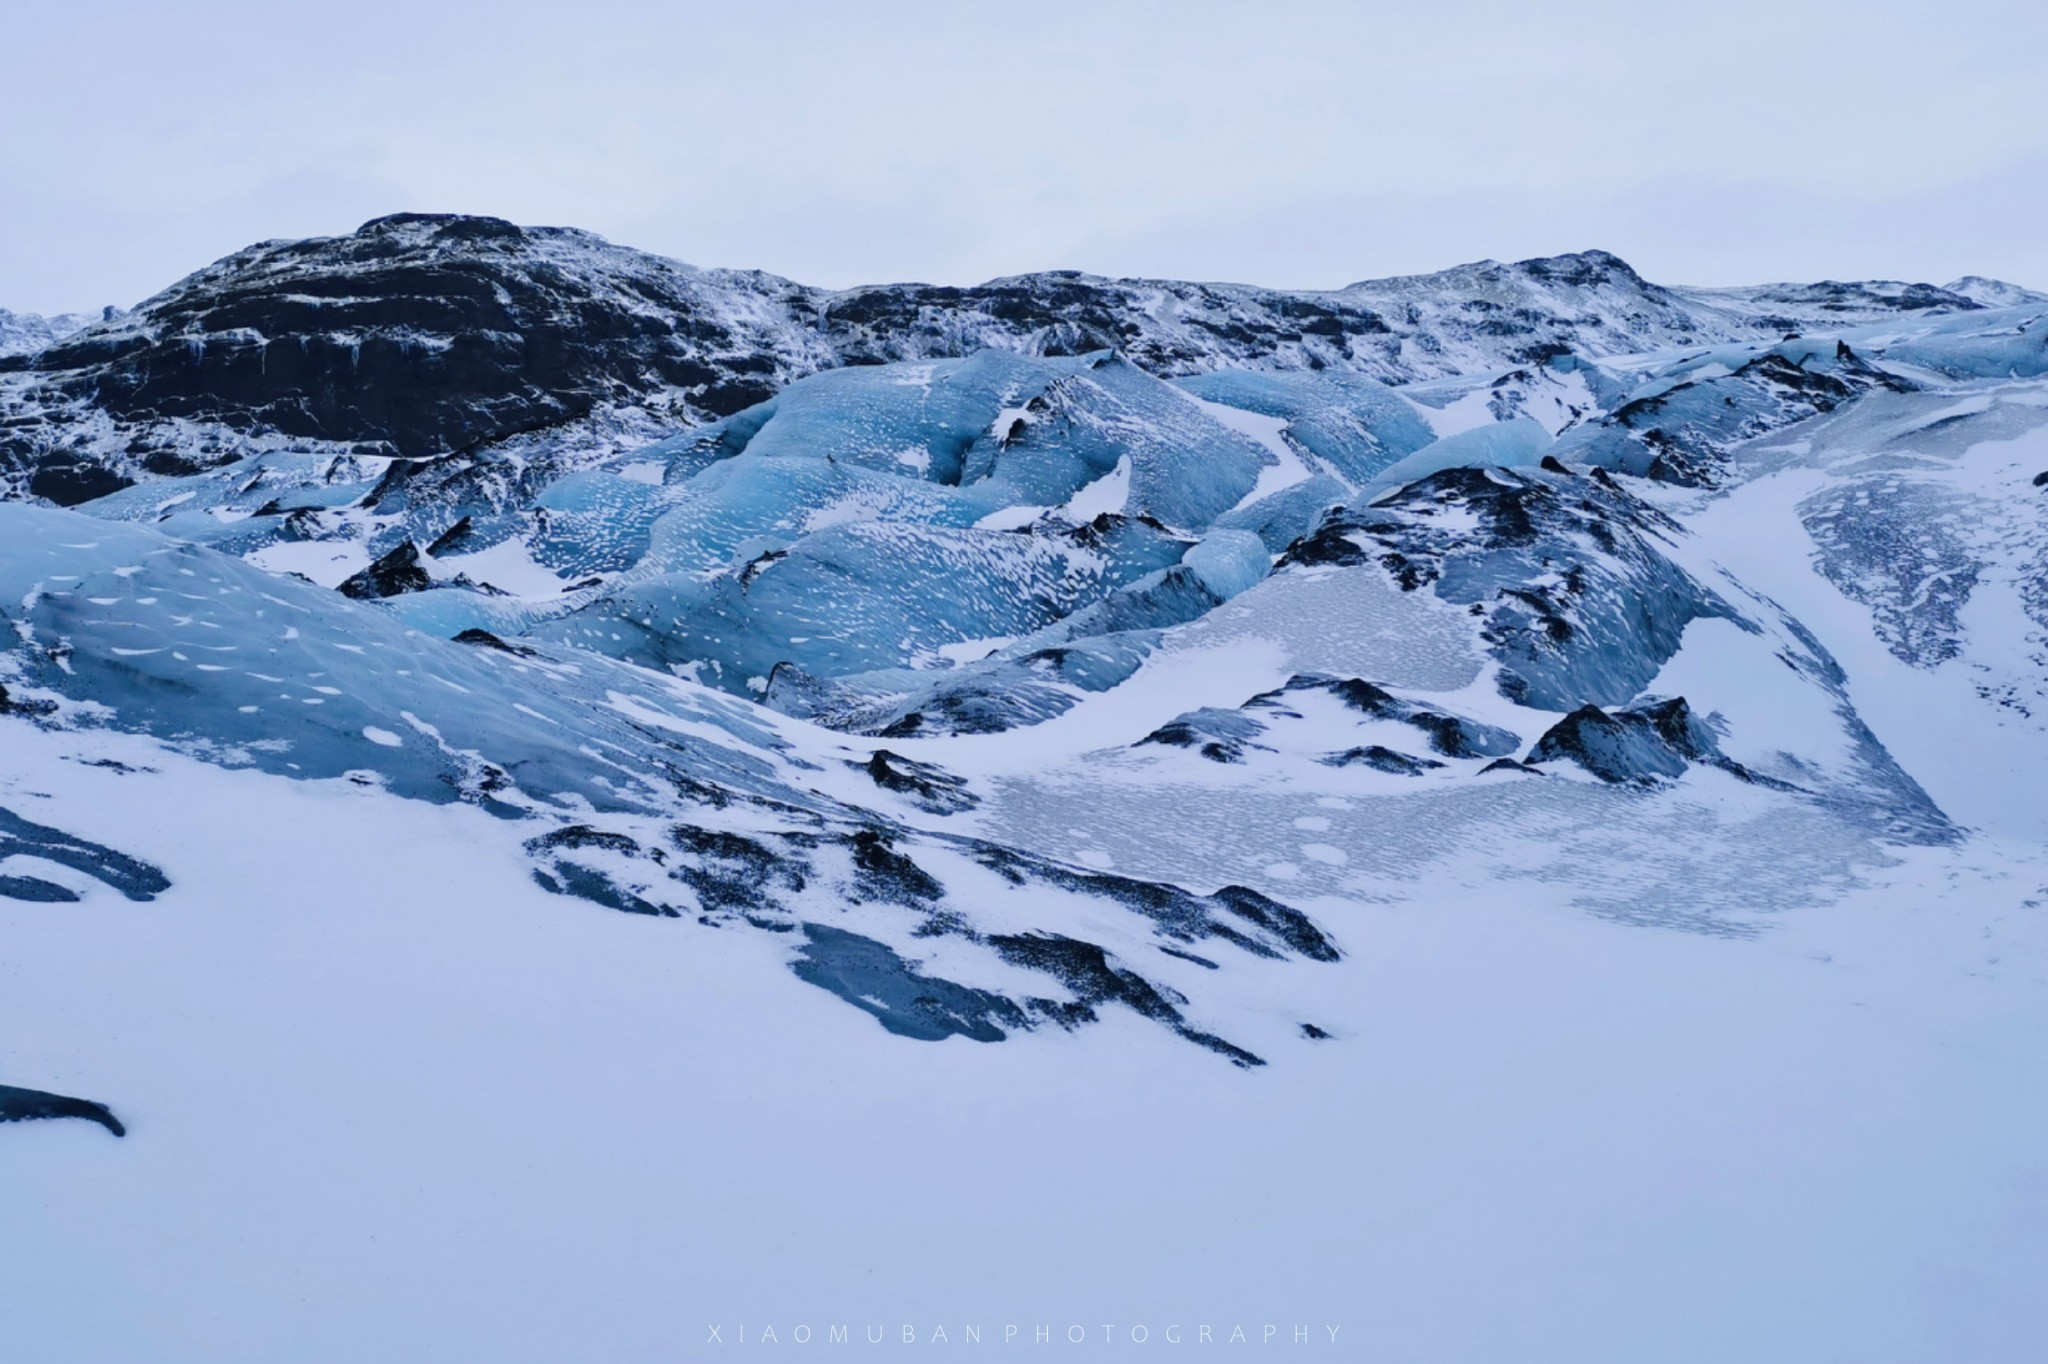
(192,646)
(1184,467)
(652,796)
(1625,854)
(1345,621)
(2006,343)
(863,595)
(1229,561)
(1899,545)
(1353,424)
(1505,445)
(1003,683)
(1008,429)
(747,506)
(919,419)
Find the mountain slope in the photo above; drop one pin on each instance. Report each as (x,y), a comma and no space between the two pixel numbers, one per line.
(419,335)
(27,333)
(1286,804)
(912,616)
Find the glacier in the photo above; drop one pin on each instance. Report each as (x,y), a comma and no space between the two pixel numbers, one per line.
(1372,713)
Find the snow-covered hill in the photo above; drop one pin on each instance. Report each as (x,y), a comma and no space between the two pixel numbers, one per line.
(1520,719)
(27,333)
(423,335)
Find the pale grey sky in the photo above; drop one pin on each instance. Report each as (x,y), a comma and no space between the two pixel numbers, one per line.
(1304,144)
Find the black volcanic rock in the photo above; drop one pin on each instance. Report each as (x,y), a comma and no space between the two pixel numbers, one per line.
(871,977)
(68,480)
(1219,735)
(1095,978)
(929,787)
(1637,744)
(1454,736)
(486,640)
(397,573)
(10,705)
(1383,758)
(452,538)
(426,332)
(25,1105)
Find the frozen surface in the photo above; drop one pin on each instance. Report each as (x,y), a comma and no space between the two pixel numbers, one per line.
(1135,803)
(1829,1120)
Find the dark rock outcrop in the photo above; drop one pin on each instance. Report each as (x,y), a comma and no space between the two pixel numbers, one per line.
(1221,736)
(12,705)
(1383,758)
(927,786)
(1567,577)
(393,575)
(1454,736)
(1639,744)
(1095,978)
(26,1105)
(424,332)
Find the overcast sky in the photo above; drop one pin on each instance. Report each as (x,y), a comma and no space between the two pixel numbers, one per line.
(1301,144)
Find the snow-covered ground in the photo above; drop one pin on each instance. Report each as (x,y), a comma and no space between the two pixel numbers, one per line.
(1584,810)
(387,1099)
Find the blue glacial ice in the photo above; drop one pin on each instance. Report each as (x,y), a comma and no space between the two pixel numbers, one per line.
(245,667)
(865,595)
(1355,425)
(1229,562)
(1503,445)
(1185,468)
